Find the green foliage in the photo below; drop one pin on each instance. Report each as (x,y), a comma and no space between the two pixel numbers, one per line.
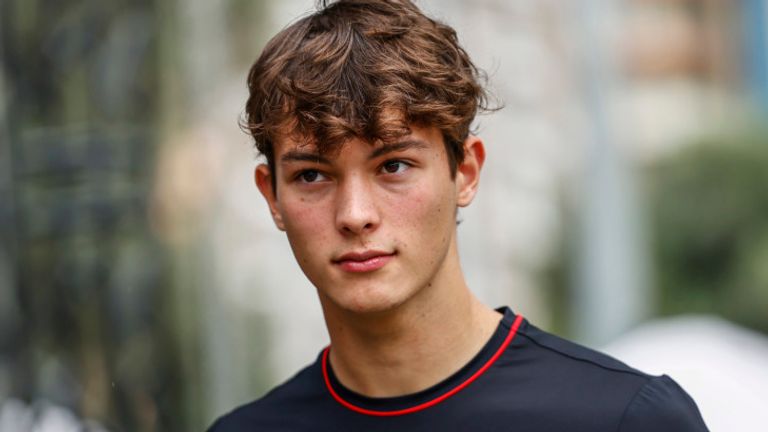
(710,225)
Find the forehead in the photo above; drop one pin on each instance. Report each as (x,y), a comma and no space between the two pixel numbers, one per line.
(419,137)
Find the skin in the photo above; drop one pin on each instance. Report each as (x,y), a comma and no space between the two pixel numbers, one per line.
(373,227)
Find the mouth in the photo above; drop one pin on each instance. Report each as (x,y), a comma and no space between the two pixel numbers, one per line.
(365,261)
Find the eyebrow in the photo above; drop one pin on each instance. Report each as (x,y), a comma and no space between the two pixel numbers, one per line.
(397,146)
(305,156)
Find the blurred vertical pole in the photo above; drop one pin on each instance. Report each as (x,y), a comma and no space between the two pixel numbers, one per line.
(756,56)
(611,295)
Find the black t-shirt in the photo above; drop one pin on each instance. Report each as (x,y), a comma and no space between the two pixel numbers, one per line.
(523,380)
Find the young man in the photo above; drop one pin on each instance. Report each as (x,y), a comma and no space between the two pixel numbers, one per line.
(363,112)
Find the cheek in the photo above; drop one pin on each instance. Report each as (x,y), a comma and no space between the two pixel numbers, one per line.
(305,225)
(424,210)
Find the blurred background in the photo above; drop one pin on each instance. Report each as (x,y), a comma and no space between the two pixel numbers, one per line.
(143,286)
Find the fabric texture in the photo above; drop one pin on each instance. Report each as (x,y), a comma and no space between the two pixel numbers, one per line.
(540,382)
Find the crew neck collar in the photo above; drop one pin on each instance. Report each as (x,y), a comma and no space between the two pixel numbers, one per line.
(406,404)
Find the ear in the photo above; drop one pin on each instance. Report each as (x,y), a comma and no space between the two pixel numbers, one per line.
(468,171)
(263,177)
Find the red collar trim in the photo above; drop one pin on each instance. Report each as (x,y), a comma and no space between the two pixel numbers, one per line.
(425,405)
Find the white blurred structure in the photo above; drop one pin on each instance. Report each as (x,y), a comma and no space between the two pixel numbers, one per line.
(722,366)
(41,416)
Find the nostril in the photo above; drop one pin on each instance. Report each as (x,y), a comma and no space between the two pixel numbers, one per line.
(356,229)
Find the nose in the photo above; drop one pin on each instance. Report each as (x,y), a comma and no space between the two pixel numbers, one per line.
(356,209)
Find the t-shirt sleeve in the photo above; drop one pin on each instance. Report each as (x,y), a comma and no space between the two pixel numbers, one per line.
(662,406)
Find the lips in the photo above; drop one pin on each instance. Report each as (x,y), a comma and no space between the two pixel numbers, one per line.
(364,261)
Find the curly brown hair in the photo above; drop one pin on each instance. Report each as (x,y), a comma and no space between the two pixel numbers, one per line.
(363,69)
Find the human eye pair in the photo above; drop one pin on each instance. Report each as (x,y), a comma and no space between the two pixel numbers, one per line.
(393,166)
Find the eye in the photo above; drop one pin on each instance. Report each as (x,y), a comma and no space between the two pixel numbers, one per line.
(309,176)
(394,166)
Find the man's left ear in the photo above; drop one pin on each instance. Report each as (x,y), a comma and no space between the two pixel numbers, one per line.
(468,171)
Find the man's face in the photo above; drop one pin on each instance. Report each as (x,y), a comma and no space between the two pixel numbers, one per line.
(370,226)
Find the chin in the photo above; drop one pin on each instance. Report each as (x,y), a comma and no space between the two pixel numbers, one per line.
(368,300)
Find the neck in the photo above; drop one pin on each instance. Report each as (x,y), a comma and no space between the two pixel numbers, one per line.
(413,346)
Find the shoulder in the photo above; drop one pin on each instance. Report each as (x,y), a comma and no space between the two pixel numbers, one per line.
(592,383)
(269,411)
(573,361)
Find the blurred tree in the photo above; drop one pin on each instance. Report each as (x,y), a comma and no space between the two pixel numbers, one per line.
(710,215)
